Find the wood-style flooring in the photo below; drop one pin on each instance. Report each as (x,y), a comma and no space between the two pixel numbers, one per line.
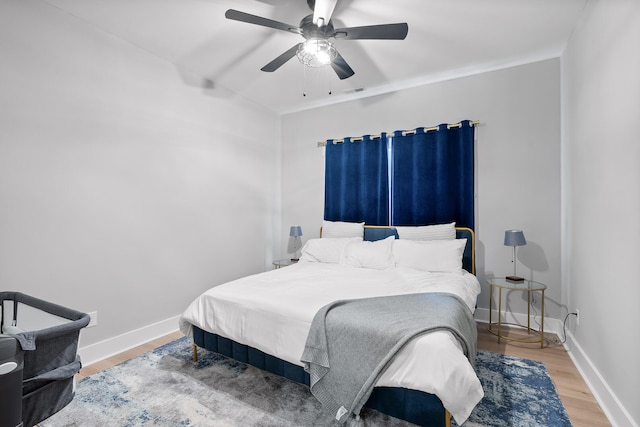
(581,406)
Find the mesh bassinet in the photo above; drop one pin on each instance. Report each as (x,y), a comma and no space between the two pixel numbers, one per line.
(50,351)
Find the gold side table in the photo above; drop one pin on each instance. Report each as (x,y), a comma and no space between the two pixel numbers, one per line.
(528,286)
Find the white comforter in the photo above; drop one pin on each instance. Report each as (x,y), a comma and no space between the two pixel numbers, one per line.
(272,312)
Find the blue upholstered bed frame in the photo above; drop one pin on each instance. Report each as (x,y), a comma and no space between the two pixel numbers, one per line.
(418,407)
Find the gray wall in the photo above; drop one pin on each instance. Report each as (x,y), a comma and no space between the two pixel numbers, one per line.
(123,189)
(518,162)
(601,180)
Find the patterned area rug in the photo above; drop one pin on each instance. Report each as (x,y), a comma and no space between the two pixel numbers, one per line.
(165,388)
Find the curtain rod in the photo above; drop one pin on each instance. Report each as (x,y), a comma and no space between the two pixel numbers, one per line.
(404,133)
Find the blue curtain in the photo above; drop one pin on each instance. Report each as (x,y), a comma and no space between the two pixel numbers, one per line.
(356,181)
(433,176)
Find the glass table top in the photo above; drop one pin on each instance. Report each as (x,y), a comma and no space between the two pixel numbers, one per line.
(525,285)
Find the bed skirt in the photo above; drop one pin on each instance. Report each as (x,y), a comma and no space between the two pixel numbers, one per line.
(418,407)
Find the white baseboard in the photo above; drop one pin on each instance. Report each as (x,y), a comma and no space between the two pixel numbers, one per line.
(553,326)
(101,350)
(609,402)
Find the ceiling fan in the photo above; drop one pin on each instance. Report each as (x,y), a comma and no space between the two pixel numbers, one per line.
(317,29)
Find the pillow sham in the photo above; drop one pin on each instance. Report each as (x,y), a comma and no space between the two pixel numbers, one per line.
(428,232)
(377,255)
(325,250)
(14,330)
(333,229)
(432,255)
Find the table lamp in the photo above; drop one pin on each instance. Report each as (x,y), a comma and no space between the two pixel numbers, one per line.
(514,238)
(296,232)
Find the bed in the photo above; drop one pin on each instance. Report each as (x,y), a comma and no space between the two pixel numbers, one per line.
(264,319)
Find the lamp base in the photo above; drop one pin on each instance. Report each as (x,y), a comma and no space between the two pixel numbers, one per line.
(515,279)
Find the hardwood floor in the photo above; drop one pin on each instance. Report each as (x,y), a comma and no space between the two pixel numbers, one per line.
(129,354)
(581,406)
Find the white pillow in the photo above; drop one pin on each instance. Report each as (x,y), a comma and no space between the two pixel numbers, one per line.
(364,254)
(325,250)
(428,232)
(335,229)
(8,329)
(432,255)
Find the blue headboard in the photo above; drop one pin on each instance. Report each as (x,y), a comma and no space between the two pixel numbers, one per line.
(373,232)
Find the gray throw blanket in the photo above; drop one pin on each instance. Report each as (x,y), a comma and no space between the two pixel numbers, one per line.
(352,342)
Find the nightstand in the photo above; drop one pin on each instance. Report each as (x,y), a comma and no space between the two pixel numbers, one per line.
(283,263)
(528,286)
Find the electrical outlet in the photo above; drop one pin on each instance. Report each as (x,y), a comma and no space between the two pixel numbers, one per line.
(93,321)
(577,317)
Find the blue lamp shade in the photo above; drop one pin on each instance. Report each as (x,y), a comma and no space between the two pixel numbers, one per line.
(295,231)
(513,238)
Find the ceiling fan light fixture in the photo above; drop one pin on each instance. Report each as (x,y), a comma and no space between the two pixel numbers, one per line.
(317,29)
(316,52)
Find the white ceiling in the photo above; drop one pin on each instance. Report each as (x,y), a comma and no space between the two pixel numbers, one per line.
(447,38)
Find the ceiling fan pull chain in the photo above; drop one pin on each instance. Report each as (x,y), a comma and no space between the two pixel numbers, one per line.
(304,81)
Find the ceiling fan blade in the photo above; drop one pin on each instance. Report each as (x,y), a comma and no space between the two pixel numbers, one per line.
(342,69)
(280,60)
(373,32)
(323,9)
(236,15)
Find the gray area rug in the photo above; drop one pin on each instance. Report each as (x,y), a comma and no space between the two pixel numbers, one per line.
(166,388)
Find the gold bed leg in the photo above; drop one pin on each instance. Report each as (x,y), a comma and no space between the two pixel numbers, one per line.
(195,353)
(447,418)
